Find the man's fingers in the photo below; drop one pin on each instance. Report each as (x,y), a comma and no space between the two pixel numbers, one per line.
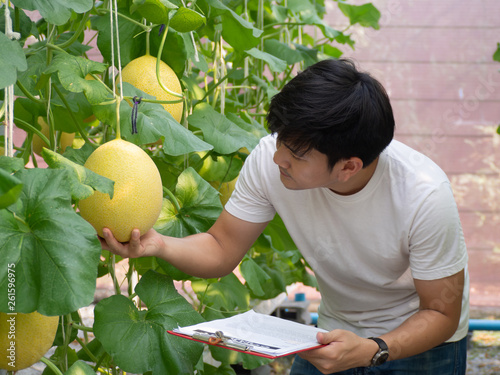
(104,244)
(328,337)
(112,243)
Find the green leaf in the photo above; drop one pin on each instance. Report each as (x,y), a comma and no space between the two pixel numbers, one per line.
(54,250)
(217,168)
(12,60)
(496,55)
(71,71)
(80,368)
(284,51)
(223,369)
(366,15)
(199,207)
(251,126)
(10,188)
(29,78)
(274,63)
(225,136)
(310,54)
(331,51)
(226,293)
(79,155)
(11,165)
(236,31)
(308,13)
(281,239)
(154,11)
(81,181)
(254,275)
(57,12)
(153,123)
(185,20)
(132,38)
(138,340)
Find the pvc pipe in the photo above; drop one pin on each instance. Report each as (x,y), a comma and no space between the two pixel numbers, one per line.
(474,324)
(484,325)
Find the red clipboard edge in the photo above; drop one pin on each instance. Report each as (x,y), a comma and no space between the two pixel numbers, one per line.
(269,356)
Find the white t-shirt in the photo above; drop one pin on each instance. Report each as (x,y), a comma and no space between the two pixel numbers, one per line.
(366,248)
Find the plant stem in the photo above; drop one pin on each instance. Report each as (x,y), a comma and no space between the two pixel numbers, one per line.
(32,128)
(111,267)
(74,38)
(85,333)
(158,59)
(67,337)
(81,327)
(75,121)
(28,94)
(51,46)
(173,199)
(86,350)
(154,100)
(148,34)
(145,27)
(51,365)
(203,298)
(99,361)
(200,162)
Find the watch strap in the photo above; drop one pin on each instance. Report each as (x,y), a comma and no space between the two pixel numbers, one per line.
(382,354)
(381,343)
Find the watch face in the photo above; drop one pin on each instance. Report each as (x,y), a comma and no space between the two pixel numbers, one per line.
(381,357)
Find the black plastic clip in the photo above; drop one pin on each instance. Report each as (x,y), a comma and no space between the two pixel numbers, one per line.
(137,101)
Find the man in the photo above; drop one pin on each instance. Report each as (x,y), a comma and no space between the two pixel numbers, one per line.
(376,220)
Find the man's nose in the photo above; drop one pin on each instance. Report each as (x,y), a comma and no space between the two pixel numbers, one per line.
(280,157)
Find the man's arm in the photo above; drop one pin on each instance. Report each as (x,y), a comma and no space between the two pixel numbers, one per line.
(212,254)
(434,323)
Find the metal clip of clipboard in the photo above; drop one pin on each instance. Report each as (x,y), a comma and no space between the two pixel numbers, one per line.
(219,339)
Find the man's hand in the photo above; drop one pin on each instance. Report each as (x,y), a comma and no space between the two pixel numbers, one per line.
(150,244)
(344,350)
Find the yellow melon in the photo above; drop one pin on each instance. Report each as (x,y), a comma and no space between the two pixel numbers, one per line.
(38,144)
(25,338)
(138,190)
(141,73)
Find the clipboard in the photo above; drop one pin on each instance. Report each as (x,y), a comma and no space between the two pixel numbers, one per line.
(254,333)
(218,339)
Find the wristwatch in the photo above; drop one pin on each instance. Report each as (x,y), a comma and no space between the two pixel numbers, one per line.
(382,354)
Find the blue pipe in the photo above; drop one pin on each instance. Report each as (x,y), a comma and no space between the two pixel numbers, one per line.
(314,318)
(474,324)
(484,325)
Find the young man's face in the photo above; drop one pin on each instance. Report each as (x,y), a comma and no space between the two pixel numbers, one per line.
(299,172)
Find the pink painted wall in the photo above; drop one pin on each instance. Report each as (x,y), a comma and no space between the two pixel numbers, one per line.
(435,60)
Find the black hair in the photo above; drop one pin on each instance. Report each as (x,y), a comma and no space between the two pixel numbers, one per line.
(336,109)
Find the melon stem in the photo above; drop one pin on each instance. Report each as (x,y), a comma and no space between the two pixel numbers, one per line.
(158,59)
(51,365)
(174,200)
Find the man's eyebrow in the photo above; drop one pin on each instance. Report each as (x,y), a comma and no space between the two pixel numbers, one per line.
(297,152)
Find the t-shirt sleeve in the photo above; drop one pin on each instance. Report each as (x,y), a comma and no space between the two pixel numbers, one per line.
(249,200)
(437,246)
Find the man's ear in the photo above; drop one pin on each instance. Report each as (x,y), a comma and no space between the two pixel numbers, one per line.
(350,167)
